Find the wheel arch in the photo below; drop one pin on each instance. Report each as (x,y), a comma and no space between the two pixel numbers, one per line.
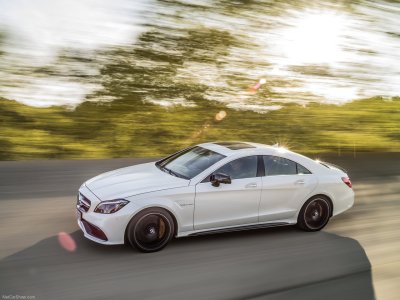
(148,208)
(329,198)
(301,219)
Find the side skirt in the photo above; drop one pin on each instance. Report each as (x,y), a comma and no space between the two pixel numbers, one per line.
(240,228)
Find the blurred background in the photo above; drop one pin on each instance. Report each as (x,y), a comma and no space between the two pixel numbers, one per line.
(139,78)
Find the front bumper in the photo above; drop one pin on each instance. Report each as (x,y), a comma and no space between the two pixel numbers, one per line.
(107,229)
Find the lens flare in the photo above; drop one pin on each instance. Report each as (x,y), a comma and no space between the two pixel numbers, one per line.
(66,241)
(255,87)
(220,116)
(282,149)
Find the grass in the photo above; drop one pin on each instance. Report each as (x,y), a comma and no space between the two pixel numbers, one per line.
(129,129)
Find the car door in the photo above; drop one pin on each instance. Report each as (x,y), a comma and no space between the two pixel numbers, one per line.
(285,186)
(229,204)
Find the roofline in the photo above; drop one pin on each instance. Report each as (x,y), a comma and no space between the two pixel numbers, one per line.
(213,145)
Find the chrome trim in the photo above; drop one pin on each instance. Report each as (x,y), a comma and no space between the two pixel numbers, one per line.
(83,203)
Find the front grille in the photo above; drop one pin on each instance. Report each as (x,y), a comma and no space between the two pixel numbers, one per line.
(83,203)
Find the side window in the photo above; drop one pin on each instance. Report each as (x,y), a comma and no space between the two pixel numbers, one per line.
(275,165)
(302,170)
(245,167)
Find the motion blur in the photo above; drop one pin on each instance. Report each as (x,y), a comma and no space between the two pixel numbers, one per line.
(93,85)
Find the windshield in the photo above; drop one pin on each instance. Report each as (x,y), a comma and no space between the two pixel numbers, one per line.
(190,162)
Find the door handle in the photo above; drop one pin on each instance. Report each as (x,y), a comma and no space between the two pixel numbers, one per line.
(300,181)
(251,185)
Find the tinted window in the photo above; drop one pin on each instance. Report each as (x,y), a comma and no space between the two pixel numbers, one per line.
(189,163)
(245,167)
(302,170)
(275,165)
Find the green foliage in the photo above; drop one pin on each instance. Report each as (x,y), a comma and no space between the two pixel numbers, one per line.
(183,60)
(118,129)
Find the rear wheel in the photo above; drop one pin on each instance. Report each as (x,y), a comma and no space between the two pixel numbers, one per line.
(314,214)
(150,230)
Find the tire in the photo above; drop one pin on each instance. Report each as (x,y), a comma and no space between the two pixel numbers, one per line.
(314,214)
(150,230)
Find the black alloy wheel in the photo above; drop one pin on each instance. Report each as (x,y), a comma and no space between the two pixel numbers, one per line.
(314,214)
(150,230)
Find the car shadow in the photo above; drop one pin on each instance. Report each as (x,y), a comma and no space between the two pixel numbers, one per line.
(275,263)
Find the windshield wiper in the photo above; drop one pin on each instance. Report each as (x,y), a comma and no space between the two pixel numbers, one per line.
(173,173)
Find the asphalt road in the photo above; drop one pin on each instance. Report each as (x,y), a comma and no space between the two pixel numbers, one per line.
(357,256)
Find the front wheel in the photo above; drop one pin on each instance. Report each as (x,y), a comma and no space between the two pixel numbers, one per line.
(314,214)
(150,230)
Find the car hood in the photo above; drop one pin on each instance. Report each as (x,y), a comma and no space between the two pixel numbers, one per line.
(131,181)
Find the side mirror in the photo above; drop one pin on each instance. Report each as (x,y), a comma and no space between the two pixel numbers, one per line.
(218,178)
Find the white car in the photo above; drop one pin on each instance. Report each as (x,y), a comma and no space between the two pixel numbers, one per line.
(211,187)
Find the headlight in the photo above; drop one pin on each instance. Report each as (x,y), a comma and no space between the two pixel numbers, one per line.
(111,206)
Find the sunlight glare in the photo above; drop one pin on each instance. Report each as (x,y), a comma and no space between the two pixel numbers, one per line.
(282,149)
(314,38)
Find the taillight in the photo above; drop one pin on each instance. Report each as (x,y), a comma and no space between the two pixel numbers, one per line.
(347,181)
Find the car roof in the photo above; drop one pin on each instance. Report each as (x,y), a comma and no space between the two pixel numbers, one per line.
(238,149)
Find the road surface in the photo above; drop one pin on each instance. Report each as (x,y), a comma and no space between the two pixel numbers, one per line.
(357,256)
